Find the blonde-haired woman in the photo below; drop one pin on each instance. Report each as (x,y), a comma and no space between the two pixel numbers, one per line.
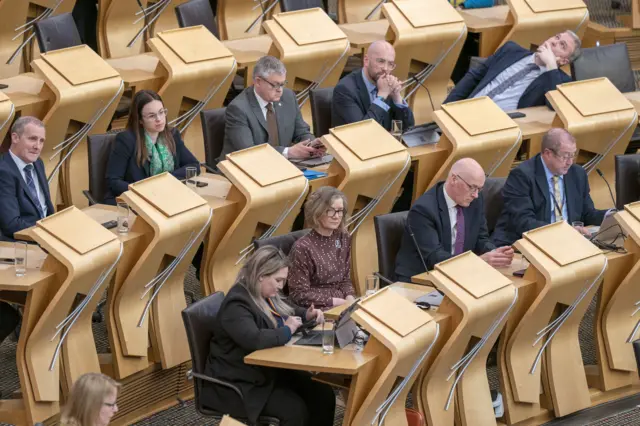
(92,401)
(253,316)
(320,273)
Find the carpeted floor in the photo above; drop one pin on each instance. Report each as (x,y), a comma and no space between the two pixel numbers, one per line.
(600,11)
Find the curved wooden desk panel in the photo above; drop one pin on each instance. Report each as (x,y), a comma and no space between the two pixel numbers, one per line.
(7,112)
(195,80)
(167,19)
(569,275)
(533,28)
(13,14)
(170,237)
(351,11)
(370,175)
(268,201)
(60,335)
(602,122)
(80,108)
(243,18)
(428,53)
(489,136)
(479,300)
(116,28)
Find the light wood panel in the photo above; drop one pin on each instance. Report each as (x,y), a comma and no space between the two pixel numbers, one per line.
(243,18)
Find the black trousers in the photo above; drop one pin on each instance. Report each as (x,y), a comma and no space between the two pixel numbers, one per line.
(8,320)
(297,400)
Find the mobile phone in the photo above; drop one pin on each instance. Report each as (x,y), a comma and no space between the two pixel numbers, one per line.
(111,224)
(3,86)
(7,261)
(516,114)
(519,273)
(201,184)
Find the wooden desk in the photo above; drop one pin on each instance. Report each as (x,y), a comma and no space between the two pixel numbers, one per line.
(29,94)
(247,51)
(362,34)
(492,24)
(426,161)
(139,71)
(8,280)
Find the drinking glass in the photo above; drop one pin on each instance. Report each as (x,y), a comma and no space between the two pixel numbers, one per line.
(20,258)
(123,218)
(577,224)
(328,336)
(192,172)
(396,129)
(372,285)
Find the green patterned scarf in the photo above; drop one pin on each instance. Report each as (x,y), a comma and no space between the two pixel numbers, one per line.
(161,158)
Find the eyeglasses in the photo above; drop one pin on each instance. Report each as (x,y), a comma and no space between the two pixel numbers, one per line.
(110,404)
(566,156)
(472,188)
(331,212)
(160,114)
(383,62)
(275,86)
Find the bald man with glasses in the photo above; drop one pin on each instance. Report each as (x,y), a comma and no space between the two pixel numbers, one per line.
(545,189)
(446,221)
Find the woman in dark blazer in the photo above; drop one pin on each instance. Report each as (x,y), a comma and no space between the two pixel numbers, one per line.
(252,317)
(148,147)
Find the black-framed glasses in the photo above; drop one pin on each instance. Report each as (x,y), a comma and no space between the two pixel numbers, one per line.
(472,188)
(275,86)
(383,62)
(331,212)
(160,114)
(565,156)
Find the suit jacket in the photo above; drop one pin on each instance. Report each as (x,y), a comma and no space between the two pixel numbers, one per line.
(476,79)
(429,221)
(123,168)
(245,125)
(241,328)
(351,103)
(527,202)
(18,208)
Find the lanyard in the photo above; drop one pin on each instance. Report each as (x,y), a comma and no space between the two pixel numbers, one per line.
(273,309)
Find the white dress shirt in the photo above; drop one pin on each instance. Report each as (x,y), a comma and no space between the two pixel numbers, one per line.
(453,218)
(263,106)
(21,165)
(508,100)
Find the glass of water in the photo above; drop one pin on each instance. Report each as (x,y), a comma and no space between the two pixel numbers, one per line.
(396,129)
(123,218)
(192,172)
(372,285)
(20,258)
(328,336)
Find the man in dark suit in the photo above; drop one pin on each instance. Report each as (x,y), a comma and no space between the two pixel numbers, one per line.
(372,92)
(545,189)
(24,193)
(514,77)
(267,112)
(446,221)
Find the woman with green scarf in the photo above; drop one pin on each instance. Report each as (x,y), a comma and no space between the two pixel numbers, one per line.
(148,147)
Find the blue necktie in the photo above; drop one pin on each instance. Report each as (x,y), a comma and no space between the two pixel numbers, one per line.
(32,187)
(511,80)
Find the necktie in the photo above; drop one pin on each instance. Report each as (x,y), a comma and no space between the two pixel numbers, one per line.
(558,199)
(459,246)
(32,187)
(272,125)
(511,80)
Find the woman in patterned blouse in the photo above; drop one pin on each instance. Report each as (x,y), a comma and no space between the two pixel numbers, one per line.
(320,273)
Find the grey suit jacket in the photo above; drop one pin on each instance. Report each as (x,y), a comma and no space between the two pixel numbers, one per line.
(245,125)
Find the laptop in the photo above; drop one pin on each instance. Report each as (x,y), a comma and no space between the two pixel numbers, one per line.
(345,330)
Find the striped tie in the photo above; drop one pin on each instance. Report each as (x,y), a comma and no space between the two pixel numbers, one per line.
(511,80)
(556,194)
(28,169)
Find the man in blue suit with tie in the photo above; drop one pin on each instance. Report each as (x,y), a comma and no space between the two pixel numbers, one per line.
(515,77)
(24,193)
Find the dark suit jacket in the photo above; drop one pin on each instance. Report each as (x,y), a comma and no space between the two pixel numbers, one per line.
(245,125)
(123,168)
(241,328)
(429,221)
(18,208)
(527,202)
(351,103)
(476,79)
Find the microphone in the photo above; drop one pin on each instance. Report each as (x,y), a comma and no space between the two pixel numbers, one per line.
(415,245)
(414,78)
(608,186)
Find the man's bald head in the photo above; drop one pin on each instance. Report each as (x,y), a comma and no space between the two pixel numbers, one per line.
(465,181)
(379,60)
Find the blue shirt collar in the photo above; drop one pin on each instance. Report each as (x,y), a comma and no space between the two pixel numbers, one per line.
(370,86)
(547,172)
